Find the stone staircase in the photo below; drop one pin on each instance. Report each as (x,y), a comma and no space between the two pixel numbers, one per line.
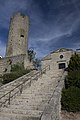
(31,103)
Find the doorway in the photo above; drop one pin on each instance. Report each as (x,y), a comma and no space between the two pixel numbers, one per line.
(62,65)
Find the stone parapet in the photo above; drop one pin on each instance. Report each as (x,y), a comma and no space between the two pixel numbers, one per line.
(53,110)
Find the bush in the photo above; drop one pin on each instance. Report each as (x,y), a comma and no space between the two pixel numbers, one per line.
(17,70)
(8,77)
(71,99)
(71,94)
(72,79)
(74,63)
(17,67)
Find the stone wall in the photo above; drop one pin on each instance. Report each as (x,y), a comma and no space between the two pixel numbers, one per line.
(53,110)
(18,35)
(5,63)
(54,59)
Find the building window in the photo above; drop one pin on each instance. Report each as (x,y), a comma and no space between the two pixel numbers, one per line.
(9,61)
(22,32)
(21,35)
(5,70)
(62,65)
(61,56)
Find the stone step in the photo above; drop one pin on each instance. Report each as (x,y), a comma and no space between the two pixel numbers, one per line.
(33,97)
(33,100)
(24,107)
(43,83)
(36,95)
(45,90)
(40,88)
(4,118)
(13,116)
(21,111)
(29,102)
(35,106)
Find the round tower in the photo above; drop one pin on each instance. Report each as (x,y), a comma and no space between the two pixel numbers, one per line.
(18,35)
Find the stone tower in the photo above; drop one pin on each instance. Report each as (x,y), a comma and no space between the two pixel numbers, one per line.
(18,35)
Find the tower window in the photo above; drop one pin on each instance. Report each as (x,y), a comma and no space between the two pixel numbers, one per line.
(21,35)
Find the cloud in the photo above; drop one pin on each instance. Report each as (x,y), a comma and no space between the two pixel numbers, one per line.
(53,23)
(62,23)
(9,8)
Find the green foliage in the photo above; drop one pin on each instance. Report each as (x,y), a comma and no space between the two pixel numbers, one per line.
(17,70)
(37,63)
(74,63)
(17,67)
(31,55)
(8,77)
(71,94)
(73,77)
(71,99)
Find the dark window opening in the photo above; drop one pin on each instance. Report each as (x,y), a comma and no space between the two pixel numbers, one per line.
(9,61)
(5,70)
(21,35)
(0,57)
(62,65)
(61,56)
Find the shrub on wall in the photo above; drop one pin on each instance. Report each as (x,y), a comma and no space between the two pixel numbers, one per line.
(72,79)
(9,77)
(17,67)
(17,70)
(71,99)
(71,94)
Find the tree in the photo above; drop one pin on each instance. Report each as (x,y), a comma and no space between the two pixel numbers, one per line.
(74,63)
(31,54)
(37,63)
(71,93)
(71,99)
(73,77)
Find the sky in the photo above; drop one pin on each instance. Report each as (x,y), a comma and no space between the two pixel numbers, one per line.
(54,24)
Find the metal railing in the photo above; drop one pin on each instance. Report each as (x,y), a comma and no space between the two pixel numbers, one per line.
(17,90)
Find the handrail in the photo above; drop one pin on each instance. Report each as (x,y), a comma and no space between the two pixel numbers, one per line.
(21,85)
(18,79)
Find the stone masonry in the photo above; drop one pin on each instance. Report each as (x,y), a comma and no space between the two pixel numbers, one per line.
(40,100)
(5,63)
(18,35)
(17,46)
(59,58)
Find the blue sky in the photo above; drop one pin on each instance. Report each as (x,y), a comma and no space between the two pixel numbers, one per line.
(53,23)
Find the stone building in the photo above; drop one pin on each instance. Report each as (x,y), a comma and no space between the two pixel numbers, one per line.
(16,51)
(58,59)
